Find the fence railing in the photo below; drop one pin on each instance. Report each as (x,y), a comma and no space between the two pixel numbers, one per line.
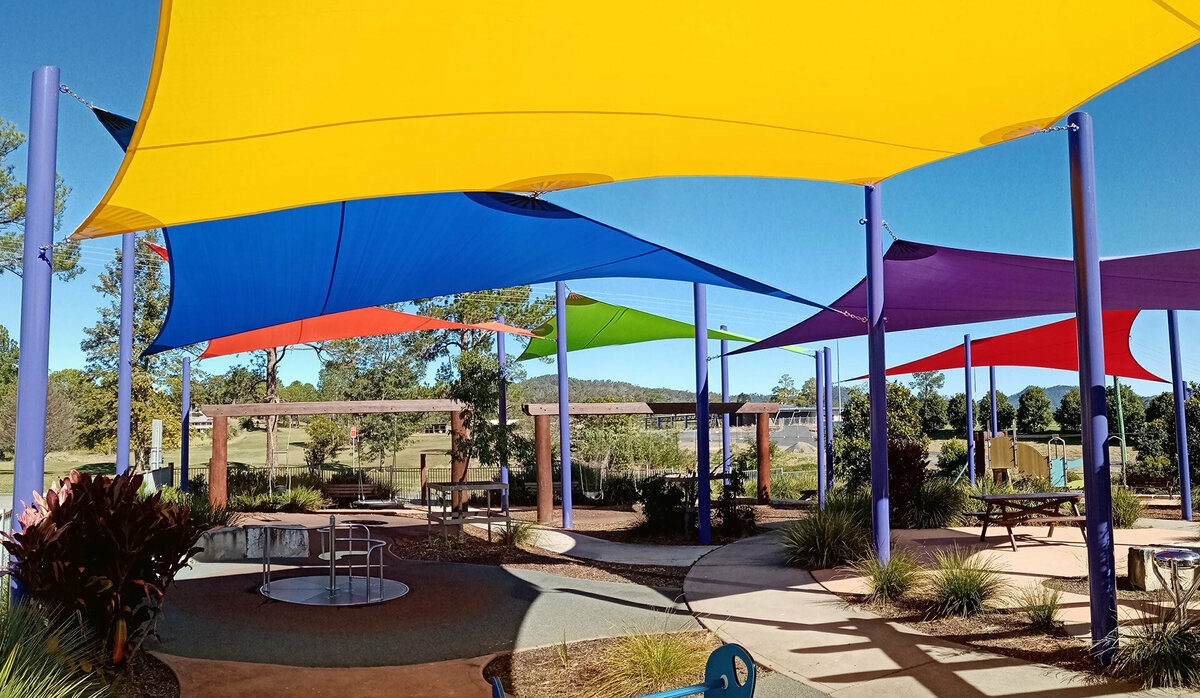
(402,482)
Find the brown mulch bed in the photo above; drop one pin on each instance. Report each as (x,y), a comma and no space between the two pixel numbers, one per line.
(543,673)
(1125,591)
(1166,512)
(147,677)
(474,548)
(998,631)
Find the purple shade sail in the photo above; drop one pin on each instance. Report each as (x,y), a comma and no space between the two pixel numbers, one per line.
(934,286)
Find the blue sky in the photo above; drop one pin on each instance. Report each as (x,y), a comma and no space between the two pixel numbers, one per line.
(797,235)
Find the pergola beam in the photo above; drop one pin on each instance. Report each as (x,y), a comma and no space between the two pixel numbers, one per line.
(601,408)
(287,409)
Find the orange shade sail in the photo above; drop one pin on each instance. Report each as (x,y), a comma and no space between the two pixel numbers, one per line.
(367,322)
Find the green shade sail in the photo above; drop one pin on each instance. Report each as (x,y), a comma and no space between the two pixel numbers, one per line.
(592,323)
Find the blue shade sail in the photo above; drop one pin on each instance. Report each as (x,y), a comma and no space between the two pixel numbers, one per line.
(246,273)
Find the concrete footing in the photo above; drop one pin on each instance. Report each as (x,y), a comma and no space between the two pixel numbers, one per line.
(1141,561)
(246,542)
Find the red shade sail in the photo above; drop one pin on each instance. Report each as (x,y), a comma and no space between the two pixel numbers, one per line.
(1045,346)
(367,322)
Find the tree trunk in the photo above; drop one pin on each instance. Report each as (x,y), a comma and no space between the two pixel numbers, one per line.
(272,397)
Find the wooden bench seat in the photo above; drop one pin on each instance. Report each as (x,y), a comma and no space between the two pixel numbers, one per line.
(367,490)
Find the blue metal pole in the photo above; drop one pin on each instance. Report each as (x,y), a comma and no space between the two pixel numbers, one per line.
(703,466)
(185,425)
(502,418)
(820,413)
(828,421)
(1102,580)
(969,389)
(125,351)
(880,516)
(726,455)
(995,417)
(29,449)
(564,416)
(1181,444)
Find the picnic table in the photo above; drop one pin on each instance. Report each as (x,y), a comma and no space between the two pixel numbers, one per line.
(1040,508)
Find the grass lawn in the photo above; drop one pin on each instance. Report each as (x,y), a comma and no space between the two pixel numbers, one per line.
(246,447)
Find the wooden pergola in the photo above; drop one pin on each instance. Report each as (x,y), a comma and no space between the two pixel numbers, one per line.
(542,412)
(218,466)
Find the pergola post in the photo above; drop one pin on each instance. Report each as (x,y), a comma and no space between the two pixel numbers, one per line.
(820,414)
(185,421)
(1120,426)
(545,474)
(992,390)
(29,449)
(1102,580)
(968,388)
(1181,444)
(828,420)
(564,413)
(217,466)
(502,417)
(762,443)
(880,515)
(703,466)
(458,459)
(726,454)
(125,350)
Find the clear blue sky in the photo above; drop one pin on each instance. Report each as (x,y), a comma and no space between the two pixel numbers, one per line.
(797,235)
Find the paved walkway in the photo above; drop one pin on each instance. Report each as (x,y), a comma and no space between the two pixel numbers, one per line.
(589,548)
(789,622)
(1171,525)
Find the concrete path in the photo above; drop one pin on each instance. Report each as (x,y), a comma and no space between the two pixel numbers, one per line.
(589,548)
(1170,525)
(789,622)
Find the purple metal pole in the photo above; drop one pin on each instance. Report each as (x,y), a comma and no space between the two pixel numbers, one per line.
(880,516)
(1102,580)
(703,466)
(29,450)
(185,425)
(969,389)
(30,447)
(725,450)
(502,418)
(820,413)
(828,421)
(995,418)
(564,416)
(1181,444)
(125,351)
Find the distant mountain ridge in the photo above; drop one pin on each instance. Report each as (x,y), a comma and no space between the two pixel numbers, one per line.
(1054,392)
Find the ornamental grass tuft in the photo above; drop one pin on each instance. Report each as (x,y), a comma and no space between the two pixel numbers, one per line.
(891,580)
(963,583)
(1164,653)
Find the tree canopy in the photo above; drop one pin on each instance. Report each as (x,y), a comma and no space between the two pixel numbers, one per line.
(12,214)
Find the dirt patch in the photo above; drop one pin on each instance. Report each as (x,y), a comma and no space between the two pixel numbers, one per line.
(999,631)
(147,677)
(564,671)
(475,548)
(1167,512)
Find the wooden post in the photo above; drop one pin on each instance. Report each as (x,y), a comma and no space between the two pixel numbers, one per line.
(217,465)
(424,482)
(458,460)
(545,478)
(763,441)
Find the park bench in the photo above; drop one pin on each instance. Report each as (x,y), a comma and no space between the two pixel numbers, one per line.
(1168,483)
(340,491)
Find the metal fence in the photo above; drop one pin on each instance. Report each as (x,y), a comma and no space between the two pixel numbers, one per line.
(400,482)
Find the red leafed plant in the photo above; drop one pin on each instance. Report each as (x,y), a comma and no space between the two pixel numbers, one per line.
(93,547)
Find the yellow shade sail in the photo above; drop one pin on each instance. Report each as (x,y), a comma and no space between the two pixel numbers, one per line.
(272,104)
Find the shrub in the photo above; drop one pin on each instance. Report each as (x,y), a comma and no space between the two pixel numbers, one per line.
(1040,605)
(891,580)
(1163,654)
(297,499)
(938,504)
(44,656)
(92,546)
(663,504)
(963,583)
(520,532)
(791,484)
(1126,508)
(952,458)
(1154,466)
(906,475)
(620,490)
(733,518)
(650,662)
(200,511)
(828,538)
